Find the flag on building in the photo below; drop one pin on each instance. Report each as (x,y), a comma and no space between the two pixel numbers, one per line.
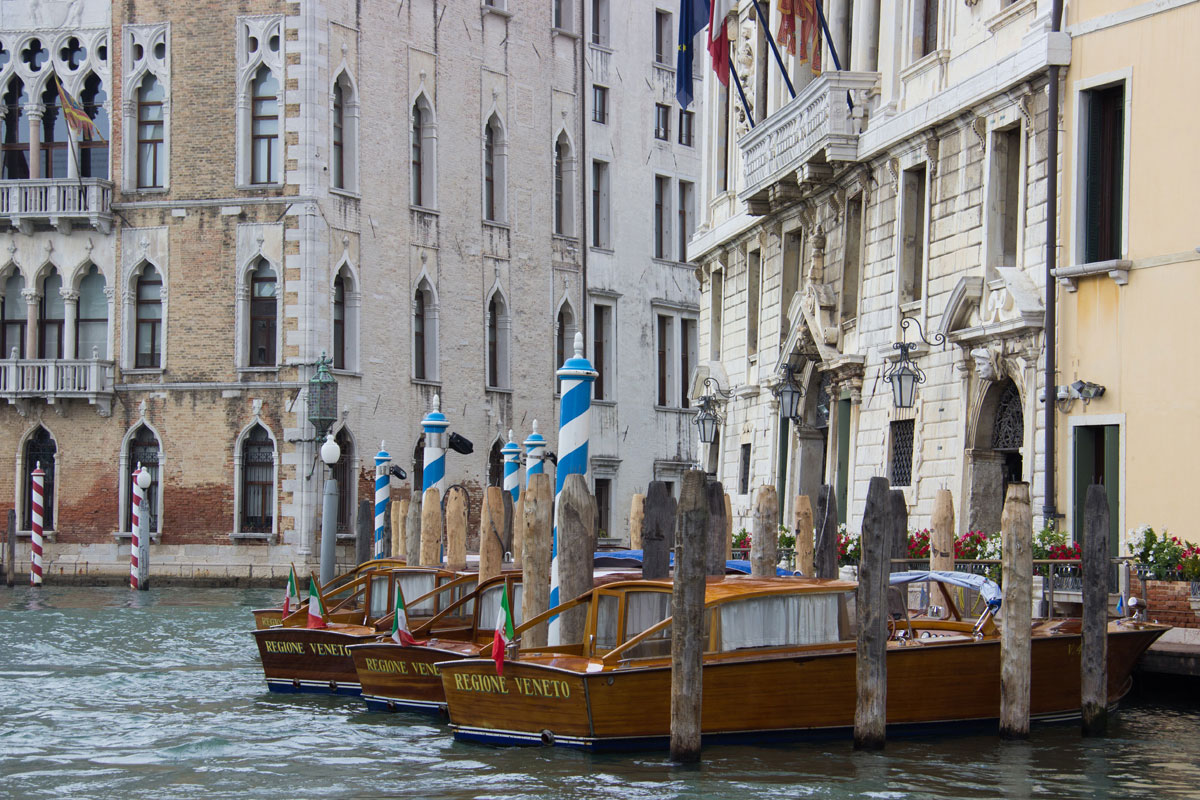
(810,33)
(505,632)
(787,26)
(76,118)
(693,16)
(316,611)
(291,600)
(718,38)
(400,632)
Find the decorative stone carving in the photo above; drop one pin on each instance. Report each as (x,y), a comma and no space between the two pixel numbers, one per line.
(987,364)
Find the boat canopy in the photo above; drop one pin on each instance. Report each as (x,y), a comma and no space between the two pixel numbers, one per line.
(988,589)
(633,559)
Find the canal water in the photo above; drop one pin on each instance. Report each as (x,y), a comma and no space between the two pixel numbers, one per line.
(108,693)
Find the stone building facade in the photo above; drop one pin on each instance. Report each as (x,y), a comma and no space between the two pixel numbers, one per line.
(909,185)
(276,181)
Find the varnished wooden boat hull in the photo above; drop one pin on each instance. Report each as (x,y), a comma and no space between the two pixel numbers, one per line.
(267,617)
(395,678)
(309,659)
(768,698)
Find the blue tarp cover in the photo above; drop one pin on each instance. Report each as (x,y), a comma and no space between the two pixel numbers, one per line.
(633,558)
(988,589)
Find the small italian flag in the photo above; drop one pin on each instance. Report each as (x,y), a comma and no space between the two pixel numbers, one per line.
(504,631)
(400,632)
(316,611)
(291,601)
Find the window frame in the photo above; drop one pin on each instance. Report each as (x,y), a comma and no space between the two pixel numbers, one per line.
(662,122)
(154,146)
(155,323)
(601,205)
(258,313)
(267,491)
(687,128)
(599,104)
(274,143)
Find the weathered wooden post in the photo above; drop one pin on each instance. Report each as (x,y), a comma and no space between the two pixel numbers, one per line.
(538,500)
(576,551)
(431,529)
(658,531)
(941,535)
(899,533)
(715,559)
(456,530)
(764,541)
(491,535)
(803,531)
(1016,531)
(364,539)
(10,563)
(687,612)
(412,531)
(637,513)
(1093,661)
(728,528)
(870,713)
(399,512)
(825,554)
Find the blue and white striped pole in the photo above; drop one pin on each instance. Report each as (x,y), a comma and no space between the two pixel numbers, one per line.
(535,454)
(433,475)
(512,466)
(383,496)
(574,431)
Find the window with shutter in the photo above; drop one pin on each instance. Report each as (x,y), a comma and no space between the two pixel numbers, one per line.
(1104,165)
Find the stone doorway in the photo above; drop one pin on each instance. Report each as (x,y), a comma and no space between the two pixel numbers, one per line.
(996,459)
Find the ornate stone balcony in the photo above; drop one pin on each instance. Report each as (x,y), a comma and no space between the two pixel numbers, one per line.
(58,202)
(801,139)
(53,380)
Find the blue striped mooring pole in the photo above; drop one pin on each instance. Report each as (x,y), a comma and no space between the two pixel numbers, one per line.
(383,495)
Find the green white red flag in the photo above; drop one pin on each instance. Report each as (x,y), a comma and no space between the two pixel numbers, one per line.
(291,601)
(505,632)
(316,611)
(400,632)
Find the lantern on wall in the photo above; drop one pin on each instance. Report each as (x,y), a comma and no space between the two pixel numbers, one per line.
(708,417)
(789,393)
(322,398)
(904,374)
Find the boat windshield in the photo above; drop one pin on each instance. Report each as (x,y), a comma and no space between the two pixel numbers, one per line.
(606,621)
(782,620)
(643,610)
(413,585)
(489,605)
(379,596)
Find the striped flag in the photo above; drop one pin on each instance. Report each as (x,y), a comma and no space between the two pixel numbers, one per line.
(291,601)
(316,611)
(400,632)
(505,632)
(77,119)
(719,39)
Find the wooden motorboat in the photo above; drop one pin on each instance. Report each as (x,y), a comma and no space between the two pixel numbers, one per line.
(779,663)
(296,658)
(397,677)
(269,617)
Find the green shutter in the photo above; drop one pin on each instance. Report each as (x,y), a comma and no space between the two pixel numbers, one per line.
(843,458)
(1112,484)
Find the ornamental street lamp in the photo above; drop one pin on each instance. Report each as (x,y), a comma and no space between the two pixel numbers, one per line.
(708,418)
(322,398)
(330,453)
(904,374)
(789,393)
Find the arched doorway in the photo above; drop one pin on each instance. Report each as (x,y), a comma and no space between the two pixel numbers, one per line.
(996,458)
(495,465)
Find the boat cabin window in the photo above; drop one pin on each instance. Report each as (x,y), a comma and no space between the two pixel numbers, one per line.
(489,606)
(606,622)
(781,621)
(412,586)
(379,596)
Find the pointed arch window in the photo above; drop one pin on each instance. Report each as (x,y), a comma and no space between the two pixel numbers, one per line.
(418,167)
(144,449)
(564,187)
(425,334)
(339,137)
(258,482)
(15,146)
(12,339)
(495,465)
(51,314)
(148,347)
(564,334)
(91,317)
(497,342)
(264,127)
(93,152)
(343,472)
(40,449)
(494,171)
(339,322)
(151,161)
(344,122)
(54,147)
(263,311)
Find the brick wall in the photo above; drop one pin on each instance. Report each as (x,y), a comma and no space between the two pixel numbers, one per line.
(1169,602)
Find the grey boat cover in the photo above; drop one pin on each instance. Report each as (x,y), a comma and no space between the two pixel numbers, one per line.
(988,589)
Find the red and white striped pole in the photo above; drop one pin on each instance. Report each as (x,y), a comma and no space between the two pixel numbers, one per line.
(135,514)
(35,546)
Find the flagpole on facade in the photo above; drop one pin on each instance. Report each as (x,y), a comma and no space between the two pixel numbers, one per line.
(762,18)
(837,64)
(742,94)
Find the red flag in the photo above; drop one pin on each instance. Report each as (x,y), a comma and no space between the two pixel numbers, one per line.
(76,118)
(718,38)
(810,34)
(787,26)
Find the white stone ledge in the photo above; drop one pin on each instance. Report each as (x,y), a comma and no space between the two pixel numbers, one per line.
(1117,269)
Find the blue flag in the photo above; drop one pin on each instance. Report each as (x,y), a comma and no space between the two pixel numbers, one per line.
(693,16)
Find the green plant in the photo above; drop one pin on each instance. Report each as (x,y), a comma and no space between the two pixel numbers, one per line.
(849,547)
(1163,556)
(741,538)
(786,540)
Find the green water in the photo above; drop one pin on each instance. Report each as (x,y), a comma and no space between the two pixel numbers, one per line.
(107,693)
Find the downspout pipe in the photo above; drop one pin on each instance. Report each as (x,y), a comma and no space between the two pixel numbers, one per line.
(1049,506)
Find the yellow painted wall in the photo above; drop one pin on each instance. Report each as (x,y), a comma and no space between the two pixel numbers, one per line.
(1140,340)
